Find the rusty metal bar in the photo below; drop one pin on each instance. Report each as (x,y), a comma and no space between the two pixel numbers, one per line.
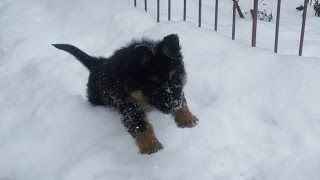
(234,20)
(303,26)
(158,10)
(276,40)
(146,5)
(169,10)
(184,10)
(135,3)
(254,23)
(216,17)
(199,21)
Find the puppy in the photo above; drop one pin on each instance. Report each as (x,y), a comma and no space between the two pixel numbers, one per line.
(137,77)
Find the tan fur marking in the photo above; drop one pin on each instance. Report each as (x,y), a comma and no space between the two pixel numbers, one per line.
(166,51)
(147,141)
(184,118)
(146,59)
(170,52)
(139,97)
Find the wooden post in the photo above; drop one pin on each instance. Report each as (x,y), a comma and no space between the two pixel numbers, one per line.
(277,27)
(158,10)
(169,10)
(146,5)
(234,20)
(184,10)
(199,21)
(135,3)
(254,23)
(216,17)
(303,26)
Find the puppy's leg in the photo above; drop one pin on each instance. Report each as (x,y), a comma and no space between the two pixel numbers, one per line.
(147,141)
(134,119)
(184,118)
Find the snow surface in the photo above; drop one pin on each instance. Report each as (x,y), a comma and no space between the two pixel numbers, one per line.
(258,111)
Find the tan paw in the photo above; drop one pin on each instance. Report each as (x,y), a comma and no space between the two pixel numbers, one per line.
(184,118)
(147,141)
(151,148)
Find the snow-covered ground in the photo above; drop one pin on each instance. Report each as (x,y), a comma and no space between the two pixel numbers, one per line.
(258,111)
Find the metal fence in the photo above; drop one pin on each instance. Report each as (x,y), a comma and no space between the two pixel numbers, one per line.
(254,22)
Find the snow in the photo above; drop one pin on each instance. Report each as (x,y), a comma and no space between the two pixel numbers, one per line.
(258,111)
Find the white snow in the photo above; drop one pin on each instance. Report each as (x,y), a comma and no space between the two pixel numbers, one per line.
(258,111)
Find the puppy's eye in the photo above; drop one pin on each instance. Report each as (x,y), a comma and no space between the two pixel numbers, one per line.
(155,79)
(171,73)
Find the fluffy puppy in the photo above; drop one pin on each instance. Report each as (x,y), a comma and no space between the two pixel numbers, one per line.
(143,74)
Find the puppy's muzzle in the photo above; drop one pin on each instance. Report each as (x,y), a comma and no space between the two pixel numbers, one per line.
(168,100)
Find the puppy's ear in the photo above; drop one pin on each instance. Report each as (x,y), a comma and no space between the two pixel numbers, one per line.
(170,46)
(141,55)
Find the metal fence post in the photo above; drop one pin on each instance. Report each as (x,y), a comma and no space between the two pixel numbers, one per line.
(199,21)
(277,27)
(135,3)
(146,5)
(158,10)
(184,10)
(234,20)
(216,17)
(254,23)
(169,10)
(303,26)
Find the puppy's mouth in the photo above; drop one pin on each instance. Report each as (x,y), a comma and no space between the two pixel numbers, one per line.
(169,110)
(176,105)
(171,106)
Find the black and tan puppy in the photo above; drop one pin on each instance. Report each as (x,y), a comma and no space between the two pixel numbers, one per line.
(143,74)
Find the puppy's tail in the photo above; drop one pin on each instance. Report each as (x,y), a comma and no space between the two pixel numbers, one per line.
(84,58)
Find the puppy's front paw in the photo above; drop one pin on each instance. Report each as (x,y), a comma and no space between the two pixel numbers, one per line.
(184,118)
(147,141)
(188,122)
(150,148)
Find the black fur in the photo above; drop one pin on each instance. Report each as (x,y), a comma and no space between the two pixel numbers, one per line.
(154,69)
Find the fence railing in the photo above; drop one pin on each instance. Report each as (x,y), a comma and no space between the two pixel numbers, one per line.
(254,21)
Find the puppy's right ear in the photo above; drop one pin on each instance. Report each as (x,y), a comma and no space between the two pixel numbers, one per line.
(171,46)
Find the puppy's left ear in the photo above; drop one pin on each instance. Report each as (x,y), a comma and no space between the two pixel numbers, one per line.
(170,46)
(141,55)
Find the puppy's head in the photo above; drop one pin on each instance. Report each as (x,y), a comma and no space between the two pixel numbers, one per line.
(166,76)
